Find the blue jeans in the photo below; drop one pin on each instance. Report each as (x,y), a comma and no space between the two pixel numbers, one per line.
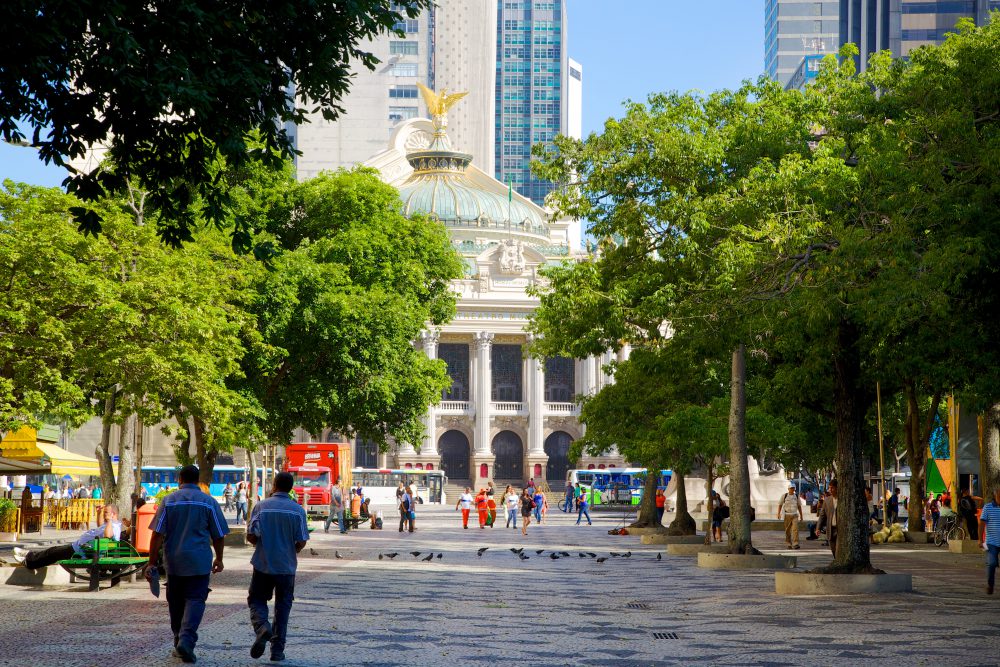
(567,505)
(186,598)
(992,558)
(338,516)
(538,513)
(241,512)
(935,517)
(512,517)
(582,512)
(262,586)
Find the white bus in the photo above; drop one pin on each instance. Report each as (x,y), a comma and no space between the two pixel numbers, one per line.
(380,485)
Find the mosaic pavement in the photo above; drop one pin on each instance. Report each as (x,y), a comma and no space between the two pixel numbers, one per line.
(465,610)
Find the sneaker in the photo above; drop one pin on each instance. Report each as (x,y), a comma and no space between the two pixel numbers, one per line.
(185,653)
(989,590)
(20,554)
(263,636)
(796,547)
(277,656)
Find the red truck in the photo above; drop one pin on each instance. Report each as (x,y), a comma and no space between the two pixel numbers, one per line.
(317,466)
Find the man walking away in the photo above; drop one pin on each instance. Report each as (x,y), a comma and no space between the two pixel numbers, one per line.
(189,525)
(336,512)
(405,505)
(989,536)
(278,529)
(893,507)
(792,508)
(830,511)
(582,512)
(568,504)
(227,496)
(967,508)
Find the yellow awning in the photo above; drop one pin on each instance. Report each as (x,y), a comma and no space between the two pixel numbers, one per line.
(63,462)
(21,444)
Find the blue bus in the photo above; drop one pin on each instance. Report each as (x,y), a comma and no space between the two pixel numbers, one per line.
(157,478)
(598,483)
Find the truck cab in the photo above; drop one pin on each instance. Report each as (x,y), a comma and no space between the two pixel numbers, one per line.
(312,486)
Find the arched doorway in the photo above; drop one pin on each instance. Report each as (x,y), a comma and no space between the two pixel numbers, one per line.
(509,452)
(557,448)
(453,447)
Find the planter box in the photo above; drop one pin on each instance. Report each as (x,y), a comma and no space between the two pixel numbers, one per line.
(695,549)
(6,536)
(964,547)
(717,561)
(918,536)
(651,530)
(807,583)
(759,524)
(236,537)
(44,576)
(663,538)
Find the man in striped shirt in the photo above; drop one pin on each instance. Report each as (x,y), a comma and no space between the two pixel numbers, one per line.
(189,525)
(989,534)
(278,529)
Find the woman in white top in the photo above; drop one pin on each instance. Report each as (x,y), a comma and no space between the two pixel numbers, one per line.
(510,502)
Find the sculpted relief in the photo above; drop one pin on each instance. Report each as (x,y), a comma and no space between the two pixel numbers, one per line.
(512,257)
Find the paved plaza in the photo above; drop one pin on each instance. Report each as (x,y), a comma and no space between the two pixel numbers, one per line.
(464,610)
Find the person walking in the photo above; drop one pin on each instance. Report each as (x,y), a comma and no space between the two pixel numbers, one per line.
(278,529)
(567,505)
(481,507)
(465,504)
(227,496)
(336,511)
(792,508)
(719,514)
(967,508)
(241,502)
(893,507)
(989,537)
(405,510)
(189,525)
(830,511)
(577,492)
(491,508)
(539,499)
(414,501)
(935,511)
(510,502)
(661,504)
(582,511)
(527,505)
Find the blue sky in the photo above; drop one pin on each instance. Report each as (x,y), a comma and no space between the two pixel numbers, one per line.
(628,49)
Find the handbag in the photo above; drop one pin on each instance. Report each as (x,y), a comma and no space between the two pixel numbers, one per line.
(412,515)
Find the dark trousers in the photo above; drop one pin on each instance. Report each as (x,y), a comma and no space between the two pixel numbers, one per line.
(972,526)
(262,587)
(832,530)
(405,520)
(659,516)
(46,557)
(992,558)
(186,598)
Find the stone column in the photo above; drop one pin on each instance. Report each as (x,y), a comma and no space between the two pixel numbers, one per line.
(536,419)
(484,390)
(429,446)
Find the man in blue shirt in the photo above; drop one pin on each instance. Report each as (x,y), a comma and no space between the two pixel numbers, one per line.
(989,534)
(188,524)
(278,530)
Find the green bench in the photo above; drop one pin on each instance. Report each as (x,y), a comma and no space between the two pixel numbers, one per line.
(105,559)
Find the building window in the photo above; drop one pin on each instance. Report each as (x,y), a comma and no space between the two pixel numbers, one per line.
(398,114)
(407,48)
(508,370)
(456,357)
(560,380)
(403,69)
(405,92)
(407,26)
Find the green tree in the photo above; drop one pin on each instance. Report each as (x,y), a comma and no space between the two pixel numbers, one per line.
(171,89)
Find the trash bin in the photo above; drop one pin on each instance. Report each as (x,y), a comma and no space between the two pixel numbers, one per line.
(143,534)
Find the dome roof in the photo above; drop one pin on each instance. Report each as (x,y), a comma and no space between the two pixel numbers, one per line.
(440,188)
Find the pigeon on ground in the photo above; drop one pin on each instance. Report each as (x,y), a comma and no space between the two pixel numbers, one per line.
(512,549)
(601,559)
(429,556)
(539,551)
(523,557)
(564,554)
(313,551)
(627,555)
(481,551)
(380,556)
(439,555)
(414,553)
(592,554)
(615,553)
(659,556)
(583,555)
(392,555)
(337,555)
(553,557)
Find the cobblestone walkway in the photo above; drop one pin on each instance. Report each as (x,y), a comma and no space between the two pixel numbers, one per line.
(465,610)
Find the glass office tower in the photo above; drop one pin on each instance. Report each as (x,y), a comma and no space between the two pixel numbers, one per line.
(531,88)
(794,30)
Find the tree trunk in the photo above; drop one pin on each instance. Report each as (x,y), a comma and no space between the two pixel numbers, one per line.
(126,461)
(182,450)
(991,452)
(204,455)
(917,442)
(683,523)
(103,451)
(647,508)
(740,540)
(851,403)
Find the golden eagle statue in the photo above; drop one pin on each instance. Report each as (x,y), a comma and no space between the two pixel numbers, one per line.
(439,103)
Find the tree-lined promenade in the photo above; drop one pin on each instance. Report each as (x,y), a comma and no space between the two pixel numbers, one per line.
(773,256)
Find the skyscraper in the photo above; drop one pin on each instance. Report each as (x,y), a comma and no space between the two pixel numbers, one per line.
(796,29)
(533,88)
(904,25)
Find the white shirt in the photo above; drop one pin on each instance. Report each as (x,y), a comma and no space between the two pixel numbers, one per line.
(790,505)
(93,534)
(511,499)
(466,501)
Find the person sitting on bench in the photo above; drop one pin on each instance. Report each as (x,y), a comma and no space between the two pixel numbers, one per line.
(112,528)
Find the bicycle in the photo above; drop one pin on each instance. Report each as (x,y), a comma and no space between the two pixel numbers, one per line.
(949,528)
